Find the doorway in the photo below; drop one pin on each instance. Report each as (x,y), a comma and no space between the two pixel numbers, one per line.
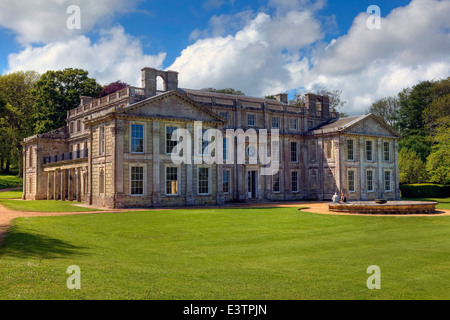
(252,184)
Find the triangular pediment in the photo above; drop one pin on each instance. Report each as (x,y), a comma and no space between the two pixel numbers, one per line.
(172,105)
(371,125)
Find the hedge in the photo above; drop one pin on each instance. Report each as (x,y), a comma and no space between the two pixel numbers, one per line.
(425,190)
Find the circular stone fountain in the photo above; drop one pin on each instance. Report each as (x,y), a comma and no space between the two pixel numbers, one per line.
(390,207)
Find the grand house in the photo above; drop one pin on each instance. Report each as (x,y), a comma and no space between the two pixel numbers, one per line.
(116,151)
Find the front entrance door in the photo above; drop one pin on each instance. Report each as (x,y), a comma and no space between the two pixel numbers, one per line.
(252,185)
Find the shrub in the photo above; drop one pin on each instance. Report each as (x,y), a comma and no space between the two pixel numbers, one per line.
(425,190)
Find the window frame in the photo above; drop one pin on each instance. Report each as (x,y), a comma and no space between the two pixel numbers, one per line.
(274,181)
(292,153)
(297,182)
(385,181)
(388,151)
(228,173)
(143,137)
(208,181)
(177,180)
(144,180)
(371,181)
(248,119)
(353,185)
(369,151)
(352,141)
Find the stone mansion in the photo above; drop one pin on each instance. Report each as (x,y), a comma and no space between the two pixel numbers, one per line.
(115,151)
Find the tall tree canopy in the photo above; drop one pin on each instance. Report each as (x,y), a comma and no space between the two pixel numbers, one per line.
(16,118)
(113,87)
(387,109)
(57,92)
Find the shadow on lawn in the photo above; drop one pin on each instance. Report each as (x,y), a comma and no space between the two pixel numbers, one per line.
(26,245)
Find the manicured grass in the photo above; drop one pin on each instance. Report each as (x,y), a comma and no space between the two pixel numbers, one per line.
(10,181)
(11,195)
(44,206)
(232,254)
(444,203)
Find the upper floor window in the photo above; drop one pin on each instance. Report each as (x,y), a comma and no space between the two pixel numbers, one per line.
(293,124)
(78,125)
(294,154)
(102,141)
(369,155)
(137,138)
(251,120)
(171,144)
(312,151)
(329,149)
(275,122)
(350,150)
(387,152)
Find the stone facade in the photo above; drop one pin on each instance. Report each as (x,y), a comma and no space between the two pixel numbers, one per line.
(115,152)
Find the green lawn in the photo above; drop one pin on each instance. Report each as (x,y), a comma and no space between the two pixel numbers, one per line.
(11,195)
(10,181)
(220,254)
(43,205)
(444,203)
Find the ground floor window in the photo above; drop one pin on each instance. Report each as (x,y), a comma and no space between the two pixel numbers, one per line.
(276,183)
(369,180)
(351,181)
(203,180)
(171,180)
(137,181)
(226,181)
(387,181)
(294,181)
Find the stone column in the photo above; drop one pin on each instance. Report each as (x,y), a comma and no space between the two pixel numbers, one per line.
(70,185)
(396,173)
(189,172)
(63,185)
(156,165)
(78,184)
(380,169)
(55,185)
(361,169)
(49,185)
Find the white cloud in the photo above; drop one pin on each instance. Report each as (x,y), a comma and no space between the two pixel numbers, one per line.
(115,56)
(255,59)
(45,21)
(267,55)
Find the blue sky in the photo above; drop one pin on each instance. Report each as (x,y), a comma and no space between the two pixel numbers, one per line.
(260,47)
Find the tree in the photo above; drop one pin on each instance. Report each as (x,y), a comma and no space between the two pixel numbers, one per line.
(113,87)
(227,91)
(16,121)
(58,92)
(387,109)
(411,167)
(336,102)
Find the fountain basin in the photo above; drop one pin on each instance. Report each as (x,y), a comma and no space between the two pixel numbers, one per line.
(390,207)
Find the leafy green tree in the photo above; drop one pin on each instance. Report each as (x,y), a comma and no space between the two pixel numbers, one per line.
(411,167)
(58,92)
(387,109)
(227,91)
(16,119)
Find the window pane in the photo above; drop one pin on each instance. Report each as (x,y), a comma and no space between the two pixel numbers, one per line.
(226,181)
(351,181)
(387,181)
(137,138)
(171,180)
(387,152)
(369,180)
(137,180)
(294,181)
(294,152)
(203,180)
(369,150)
(170,144)
(350,150)
(276,182)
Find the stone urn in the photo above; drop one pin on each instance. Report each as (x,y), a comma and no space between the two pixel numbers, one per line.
(380,201)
